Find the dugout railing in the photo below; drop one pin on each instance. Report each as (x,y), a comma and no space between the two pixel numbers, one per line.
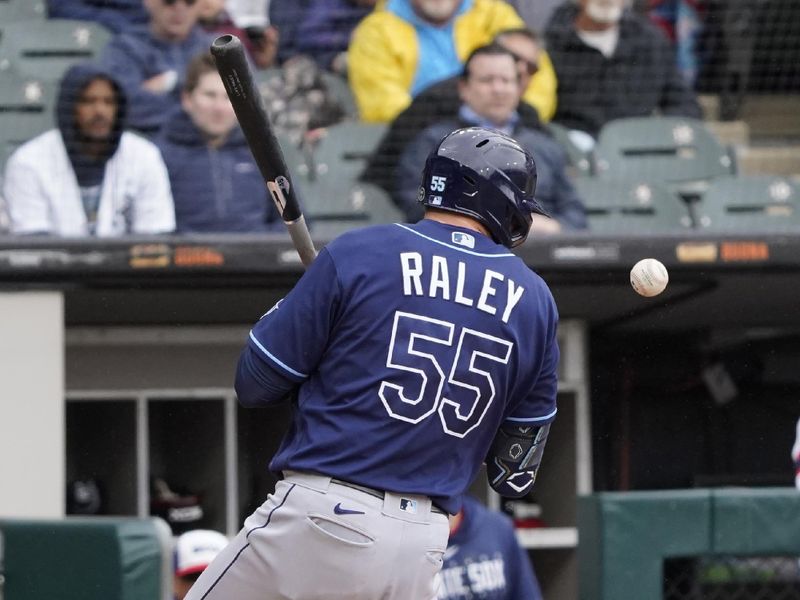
(686,544)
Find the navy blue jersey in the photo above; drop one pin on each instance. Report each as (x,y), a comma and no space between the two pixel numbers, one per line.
(412,344)
(484,560)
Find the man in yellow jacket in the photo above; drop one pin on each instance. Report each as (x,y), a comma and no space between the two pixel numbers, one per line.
(406,45)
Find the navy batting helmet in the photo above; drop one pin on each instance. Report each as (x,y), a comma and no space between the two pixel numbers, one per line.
(486,175)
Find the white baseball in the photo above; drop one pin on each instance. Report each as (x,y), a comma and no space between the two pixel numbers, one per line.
(649,277)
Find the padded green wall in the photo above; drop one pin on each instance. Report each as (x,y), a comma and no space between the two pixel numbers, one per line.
(625,537)
(82,559)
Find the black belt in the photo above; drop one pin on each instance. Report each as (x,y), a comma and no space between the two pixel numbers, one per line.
(377,493)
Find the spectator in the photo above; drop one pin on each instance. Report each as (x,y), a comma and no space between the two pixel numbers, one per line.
(483,542)
(88,176)
(151,59)
(194,551)
(261,42)
(325,30)
(286,16)
(215,182)
(441,101)
(489,91)
(536,75)
(612,63)
(248,13)
(404,46)
(683,22)
(115,15)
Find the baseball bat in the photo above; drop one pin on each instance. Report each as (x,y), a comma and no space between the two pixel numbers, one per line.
(229,56)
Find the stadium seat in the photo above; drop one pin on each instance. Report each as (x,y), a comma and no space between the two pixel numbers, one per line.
(21,10)
(750,203)
(581,160)
(632,207)
(680,152)
(26,110)
(340,89)
(333,197)
(45,49)
(379,205)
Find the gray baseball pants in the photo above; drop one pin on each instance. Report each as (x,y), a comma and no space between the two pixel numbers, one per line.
(321,539)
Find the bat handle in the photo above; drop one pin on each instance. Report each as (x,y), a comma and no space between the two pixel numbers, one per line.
(298,230)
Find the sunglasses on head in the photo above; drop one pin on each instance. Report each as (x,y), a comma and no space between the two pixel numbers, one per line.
(186,2)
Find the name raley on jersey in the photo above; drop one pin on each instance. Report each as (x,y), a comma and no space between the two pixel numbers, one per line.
(439,283)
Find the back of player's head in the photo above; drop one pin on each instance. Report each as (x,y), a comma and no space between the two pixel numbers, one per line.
(485,175)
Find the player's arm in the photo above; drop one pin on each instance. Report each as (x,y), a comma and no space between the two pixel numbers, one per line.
(516,451)
(515,456)
(257,383)
(287,343)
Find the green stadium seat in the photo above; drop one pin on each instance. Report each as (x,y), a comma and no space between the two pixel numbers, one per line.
(26,110)
(632,207)
(21,10)
(340,89)
(581,160)
(680,152)
(45,49)
(333,198)
(379,205)
(751,203)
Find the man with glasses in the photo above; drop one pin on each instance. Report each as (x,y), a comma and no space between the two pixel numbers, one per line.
(406,46)
(442,101)
(489,88)
(151,59)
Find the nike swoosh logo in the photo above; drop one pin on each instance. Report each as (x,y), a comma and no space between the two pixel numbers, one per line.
(346,511)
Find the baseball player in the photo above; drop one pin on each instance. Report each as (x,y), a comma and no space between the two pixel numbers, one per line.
(413,354)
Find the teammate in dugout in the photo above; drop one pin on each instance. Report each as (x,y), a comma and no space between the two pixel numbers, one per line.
(415,353)
(484,559)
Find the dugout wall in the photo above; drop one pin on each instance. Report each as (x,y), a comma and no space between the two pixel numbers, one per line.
(627,537)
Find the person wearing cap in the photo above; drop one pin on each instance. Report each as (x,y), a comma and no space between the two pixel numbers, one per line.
(194,551)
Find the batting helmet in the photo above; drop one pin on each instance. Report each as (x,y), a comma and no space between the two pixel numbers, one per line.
(486,175)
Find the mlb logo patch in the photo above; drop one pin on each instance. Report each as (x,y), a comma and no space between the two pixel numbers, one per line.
(463,239)
(409,506)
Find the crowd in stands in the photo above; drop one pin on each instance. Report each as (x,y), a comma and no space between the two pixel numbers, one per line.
(146,141)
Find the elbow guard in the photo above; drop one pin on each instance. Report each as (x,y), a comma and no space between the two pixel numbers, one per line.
(514,458)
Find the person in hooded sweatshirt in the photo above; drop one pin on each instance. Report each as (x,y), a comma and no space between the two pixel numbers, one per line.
(215,181)
(150,59)
(88,176)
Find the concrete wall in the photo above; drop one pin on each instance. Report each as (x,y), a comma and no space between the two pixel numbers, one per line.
(31,404)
